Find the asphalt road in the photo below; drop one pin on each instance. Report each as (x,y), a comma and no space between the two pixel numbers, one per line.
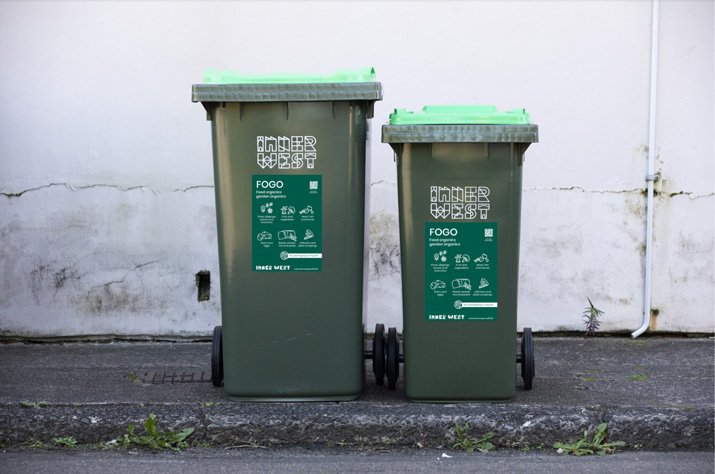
(346,460)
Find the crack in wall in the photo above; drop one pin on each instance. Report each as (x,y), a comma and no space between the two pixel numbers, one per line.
(113,186)
(131,188)
(137,267)
(689,194)
(191,188)
(144,188)
(592,191)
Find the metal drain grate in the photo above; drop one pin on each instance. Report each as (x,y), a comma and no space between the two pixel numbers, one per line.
(173,377)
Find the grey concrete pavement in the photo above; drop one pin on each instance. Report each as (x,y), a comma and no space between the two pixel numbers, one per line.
(655,393)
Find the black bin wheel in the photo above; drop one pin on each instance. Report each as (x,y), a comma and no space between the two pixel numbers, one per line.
(378,354)
(527,359)
(393,358)
(217,358)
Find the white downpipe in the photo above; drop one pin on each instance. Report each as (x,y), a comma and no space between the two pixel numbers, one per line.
(651,176)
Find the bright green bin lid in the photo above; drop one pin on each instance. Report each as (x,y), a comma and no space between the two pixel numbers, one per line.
(459,115)
(232,86)
(216,76)
(460,124)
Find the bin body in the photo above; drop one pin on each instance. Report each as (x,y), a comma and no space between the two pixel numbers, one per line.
(459,192)
(290,167)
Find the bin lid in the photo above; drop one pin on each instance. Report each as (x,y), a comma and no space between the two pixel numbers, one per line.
(460,123)
(217,76)
(234,86)
(459,114)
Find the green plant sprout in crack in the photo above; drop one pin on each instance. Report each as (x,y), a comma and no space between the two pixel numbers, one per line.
(69,442)
(527,447)
(154,439)
(587,376)
(590,317)
(36,406)
(638,377)
(596,446)
(463,442)
(37,444)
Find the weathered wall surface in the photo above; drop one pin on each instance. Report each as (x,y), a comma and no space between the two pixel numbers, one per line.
(106,188)
(105,260)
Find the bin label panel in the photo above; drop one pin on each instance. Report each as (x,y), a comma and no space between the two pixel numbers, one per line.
(461,271)
(287,223)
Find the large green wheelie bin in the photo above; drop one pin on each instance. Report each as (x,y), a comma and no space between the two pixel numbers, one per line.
(290,169)
(459,184)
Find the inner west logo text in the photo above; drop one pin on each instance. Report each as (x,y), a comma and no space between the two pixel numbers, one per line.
(286,152)
(455,202)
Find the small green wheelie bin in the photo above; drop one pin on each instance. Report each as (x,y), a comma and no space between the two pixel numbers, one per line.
(459,174)
(291,167)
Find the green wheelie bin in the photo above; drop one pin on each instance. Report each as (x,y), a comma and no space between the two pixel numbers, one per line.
(290,171)
(459,175)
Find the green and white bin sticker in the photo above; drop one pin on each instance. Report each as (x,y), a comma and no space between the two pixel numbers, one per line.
(287,223)
(461,271)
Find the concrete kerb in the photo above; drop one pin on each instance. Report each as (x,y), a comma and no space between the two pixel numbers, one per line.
(338,424)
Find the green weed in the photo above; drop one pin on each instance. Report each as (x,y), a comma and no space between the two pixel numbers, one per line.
(153,439)
(463,442)
(37,444)
(591,317)
(527,447)
(594,446)
(640,376)
(36,406)
(68,442)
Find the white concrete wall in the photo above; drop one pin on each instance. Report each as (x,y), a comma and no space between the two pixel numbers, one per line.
(106,190)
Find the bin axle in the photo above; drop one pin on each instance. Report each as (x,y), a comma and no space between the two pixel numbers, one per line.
(386,357)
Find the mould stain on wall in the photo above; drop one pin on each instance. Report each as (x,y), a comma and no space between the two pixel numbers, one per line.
(384,245)
(127,294)
(46,280)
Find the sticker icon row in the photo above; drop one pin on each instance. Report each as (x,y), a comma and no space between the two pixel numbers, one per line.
(285,235)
